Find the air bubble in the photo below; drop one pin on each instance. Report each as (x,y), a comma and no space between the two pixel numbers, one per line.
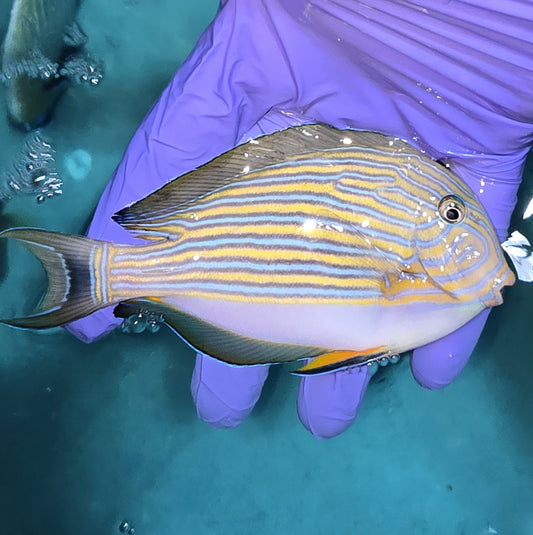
(153,326)
(394,359)
(137,324)
(143,321)
(33,172)
(372,368)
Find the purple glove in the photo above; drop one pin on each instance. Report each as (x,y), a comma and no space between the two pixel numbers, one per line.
(452,77)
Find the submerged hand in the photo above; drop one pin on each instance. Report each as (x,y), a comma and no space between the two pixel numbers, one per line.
(426,75)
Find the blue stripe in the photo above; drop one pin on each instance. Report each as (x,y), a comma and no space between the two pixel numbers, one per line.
(255,289)
(316,200)
(92,277)
(239,265)
(243,242)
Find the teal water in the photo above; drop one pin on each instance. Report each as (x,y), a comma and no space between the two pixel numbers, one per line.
(91,435)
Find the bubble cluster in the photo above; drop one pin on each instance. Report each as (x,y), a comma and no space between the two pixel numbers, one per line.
(375,363)
(33,172)
(35,65)
(143,321)
(80,68)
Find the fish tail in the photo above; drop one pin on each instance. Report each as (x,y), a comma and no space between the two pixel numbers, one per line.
(72,264)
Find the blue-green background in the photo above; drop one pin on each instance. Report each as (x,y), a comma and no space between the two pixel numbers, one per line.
(94,434)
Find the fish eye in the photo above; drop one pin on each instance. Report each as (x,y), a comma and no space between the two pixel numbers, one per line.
(452,209)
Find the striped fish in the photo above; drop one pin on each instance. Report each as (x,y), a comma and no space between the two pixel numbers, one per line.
(334,245)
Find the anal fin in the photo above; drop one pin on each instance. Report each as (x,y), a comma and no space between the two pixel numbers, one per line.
(236,349)
(217,342)
(336,360)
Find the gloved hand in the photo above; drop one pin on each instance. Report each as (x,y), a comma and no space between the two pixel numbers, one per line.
(453,78)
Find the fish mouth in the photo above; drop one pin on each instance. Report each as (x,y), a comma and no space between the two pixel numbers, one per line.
(499,284)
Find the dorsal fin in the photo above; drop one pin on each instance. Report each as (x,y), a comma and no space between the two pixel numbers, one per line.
(251,156)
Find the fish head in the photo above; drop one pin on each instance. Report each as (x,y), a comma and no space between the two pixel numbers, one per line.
(457,245)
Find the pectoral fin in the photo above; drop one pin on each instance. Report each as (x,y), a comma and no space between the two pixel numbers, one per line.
(336,360)
(405,280)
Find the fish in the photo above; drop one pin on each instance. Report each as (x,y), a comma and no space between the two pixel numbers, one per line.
(36,36)
(334,246)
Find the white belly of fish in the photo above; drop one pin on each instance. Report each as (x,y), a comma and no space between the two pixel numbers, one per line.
(334,327)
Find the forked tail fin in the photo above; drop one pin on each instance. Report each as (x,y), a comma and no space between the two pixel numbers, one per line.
(71,264)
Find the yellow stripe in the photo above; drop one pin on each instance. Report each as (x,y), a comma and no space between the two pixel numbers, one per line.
(279,279)
(256,205)
(245,198)
(325,168)
(253,253)
(111,251)
(430,298)
(345,219)
(260,231)
(96,273)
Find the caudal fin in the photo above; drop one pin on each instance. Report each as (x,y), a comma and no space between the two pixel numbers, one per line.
(70,263)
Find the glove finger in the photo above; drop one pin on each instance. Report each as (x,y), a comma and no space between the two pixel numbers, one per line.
(437,364)
(225,395)
(327,404)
